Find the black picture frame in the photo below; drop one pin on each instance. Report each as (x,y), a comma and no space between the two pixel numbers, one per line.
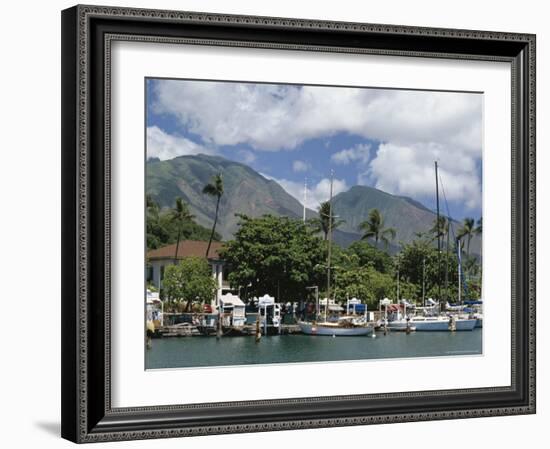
(87,415)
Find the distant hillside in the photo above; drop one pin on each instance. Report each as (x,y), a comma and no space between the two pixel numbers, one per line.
(404,214)
(248,192)
(245,190)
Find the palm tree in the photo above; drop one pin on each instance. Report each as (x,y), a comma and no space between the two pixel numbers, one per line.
(323,223)
(479,228)
(467,230)
(442,229)
(374,228)
(179,215)
(214,188)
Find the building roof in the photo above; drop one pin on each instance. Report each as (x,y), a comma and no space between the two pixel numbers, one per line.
(187,248)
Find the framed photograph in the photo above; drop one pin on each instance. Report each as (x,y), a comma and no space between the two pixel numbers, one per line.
(275,224)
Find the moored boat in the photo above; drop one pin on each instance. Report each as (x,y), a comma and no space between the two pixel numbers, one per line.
(334,329)
(442,323)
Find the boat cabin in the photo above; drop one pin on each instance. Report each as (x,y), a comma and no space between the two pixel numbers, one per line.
(154,311)
(269,311)
(233,310)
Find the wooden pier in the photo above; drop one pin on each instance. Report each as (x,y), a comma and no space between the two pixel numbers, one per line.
(190,330)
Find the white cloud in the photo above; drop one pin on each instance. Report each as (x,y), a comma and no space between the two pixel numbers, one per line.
(316,194)
(360,153)
(413,127)
(166,146)
(299,166)
(409,170)
(247,156)
(274,117)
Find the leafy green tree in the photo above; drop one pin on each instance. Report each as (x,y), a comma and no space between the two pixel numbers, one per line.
(322,223)
(156,234)
(275,255)
(368,255)
(374,228)
(215,189)
(190,280)
(418,261)
(370,286)
(180,215)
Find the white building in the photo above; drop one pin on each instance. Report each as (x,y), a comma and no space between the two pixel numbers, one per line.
(158,259)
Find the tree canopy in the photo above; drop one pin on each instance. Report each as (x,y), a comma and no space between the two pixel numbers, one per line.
(275,255)
(163,230)
(190,280)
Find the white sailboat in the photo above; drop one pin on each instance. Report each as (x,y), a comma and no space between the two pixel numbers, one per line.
(345,326)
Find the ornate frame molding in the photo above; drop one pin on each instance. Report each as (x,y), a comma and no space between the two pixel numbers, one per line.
(84,419)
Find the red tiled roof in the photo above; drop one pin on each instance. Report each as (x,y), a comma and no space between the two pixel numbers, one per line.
(186,248)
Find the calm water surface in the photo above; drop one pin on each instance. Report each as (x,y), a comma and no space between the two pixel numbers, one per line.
(208,351)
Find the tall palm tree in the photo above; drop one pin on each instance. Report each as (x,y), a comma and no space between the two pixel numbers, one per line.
(179,215)
(467,230)
(215,189)
(323,222)
(374,228)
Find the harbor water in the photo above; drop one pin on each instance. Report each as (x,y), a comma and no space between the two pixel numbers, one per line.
(187,352)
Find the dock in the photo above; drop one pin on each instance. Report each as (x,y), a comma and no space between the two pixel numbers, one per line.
(190,330)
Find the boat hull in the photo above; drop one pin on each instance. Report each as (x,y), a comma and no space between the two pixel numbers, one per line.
(443,325)
(400,326)
(330,331)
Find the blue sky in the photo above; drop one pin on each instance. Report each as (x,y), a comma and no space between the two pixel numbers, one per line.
(382,138)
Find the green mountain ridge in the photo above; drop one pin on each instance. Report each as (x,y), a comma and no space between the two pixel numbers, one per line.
(248,192)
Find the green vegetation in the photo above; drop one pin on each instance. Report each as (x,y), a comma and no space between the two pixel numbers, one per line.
(215,189)
(246,191)
(271,250)
(179,216)
(322,223)
(282,257)
(373,228)
(274,255)
(189,281)
(165,227)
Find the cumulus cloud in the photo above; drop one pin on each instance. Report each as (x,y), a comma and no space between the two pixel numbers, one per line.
(359,154)
(166,146)
(409,170)
(247,156)
(274,117)
(316,193)
(299,166)
(412,127)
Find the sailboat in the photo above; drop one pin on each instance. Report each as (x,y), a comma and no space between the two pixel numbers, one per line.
(344,326)
(437,322)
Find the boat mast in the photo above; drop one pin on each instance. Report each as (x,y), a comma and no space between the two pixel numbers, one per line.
(438,225)
(305,198)
(458,251)
(329,243)
(424,282)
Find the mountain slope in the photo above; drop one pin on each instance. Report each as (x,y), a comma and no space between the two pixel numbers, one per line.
(245,190)
(406,215)
(248,192)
